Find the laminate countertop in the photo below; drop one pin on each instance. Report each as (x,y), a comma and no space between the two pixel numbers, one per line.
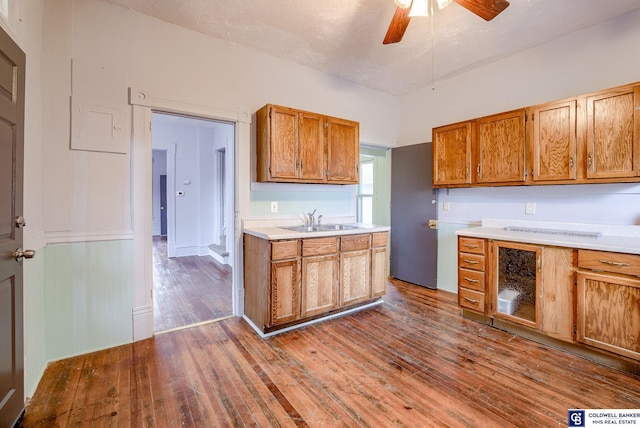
(277,233)
(615,238)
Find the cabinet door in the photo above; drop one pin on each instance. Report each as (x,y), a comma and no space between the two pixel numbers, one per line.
(557,319)
(355,277)
(343,151)
(283,153)
(501,148)
(554,141)
(311,147)
(285,292)
(319,284)
(516,274)
(452,154)
(613,128)
(379,274)
(608,312)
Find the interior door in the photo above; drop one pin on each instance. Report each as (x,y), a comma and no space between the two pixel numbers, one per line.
(163,205)
(414,246)
(12,61)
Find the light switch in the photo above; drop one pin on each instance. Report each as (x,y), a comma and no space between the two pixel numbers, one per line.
(274,206)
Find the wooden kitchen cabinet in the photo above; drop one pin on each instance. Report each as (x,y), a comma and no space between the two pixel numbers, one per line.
(471,274)
(591,138)
(533,286)
(501,148)
(343,151)
(379,263)
(608,309)
(553,141)
(613,133)
(319,275)
(355,269)
(297,146)
(287,282)
(452,150)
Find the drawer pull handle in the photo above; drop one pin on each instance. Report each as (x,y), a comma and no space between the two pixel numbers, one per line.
(471,246)
(471,262)
(471,280)
(607,262)
(475,302)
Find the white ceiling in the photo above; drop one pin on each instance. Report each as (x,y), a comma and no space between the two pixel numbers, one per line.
(344,37)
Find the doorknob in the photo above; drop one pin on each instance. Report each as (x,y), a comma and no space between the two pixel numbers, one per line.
(20,254)
(433,224)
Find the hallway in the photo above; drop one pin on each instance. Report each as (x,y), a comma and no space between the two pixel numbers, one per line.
(188,290)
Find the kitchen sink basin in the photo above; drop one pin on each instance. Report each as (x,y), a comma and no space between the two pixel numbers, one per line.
(336,227)
(321,228)
(304,228)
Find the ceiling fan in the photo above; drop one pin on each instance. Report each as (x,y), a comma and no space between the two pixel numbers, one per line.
(486,9)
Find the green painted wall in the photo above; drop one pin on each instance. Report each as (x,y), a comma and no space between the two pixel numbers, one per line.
(88,296)
(35,357)
(297,199)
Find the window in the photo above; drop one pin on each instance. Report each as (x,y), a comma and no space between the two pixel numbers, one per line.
(365,190)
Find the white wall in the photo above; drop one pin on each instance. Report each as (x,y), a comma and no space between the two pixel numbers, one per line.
(192,171)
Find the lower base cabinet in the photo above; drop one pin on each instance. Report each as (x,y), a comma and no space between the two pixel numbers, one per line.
(608,312)
(291,281)
(582,297)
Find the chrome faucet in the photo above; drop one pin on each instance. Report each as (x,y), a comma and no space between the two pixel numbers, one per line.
(312,218)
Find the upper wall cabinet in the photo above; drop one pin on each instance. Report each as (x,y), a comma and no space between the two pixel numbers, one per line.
(592,138)
(501,151)
(553,141)
(613,133)
(452,153)
(295,146)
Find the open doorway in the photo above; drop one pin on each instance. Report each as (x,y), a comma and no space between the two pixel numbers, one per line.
(192,202)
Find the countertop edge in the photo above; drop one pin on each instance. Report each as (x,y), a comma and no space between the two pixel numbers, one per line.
(612,243)
(278,233)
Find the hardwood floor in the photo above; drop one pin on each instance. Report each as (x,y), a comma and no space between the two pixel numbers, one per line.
(188,290)
(413,361)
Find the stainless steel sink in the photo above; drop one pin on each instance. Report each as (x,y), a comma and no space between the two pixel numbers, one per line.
(321,228)
(336,227)
(303,228)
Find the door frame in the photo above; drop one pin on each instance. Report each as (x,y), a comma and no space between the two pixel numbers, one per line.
(143,105)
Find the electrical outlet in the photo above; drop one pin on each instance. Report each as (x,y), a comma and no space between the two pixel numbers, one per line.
(445,206)
(530,208)
(274,206)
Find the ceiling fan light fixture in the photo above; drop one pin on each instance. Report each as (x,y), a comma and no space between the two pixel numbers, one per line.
(443,3)
(402,3)
(419,8)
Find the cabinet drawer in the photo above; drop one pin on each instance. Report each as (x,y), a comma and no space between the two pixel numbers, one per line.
(319,246)
(471,279)
(471,299)
(380,239)
(282,250)
(471,245)
(355,242)
(471,261)
(628,264)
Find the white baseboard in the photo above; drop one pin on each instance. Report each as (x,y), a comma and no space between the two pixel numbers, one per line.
(142,322)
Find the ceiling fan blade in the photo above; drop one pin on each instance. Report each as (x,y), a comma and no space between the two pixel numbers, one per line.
(398,25)
(485,9)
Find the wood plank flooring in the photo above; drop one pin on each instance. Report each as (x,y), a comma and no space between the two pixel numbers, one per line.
(412,362)
(188,290)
